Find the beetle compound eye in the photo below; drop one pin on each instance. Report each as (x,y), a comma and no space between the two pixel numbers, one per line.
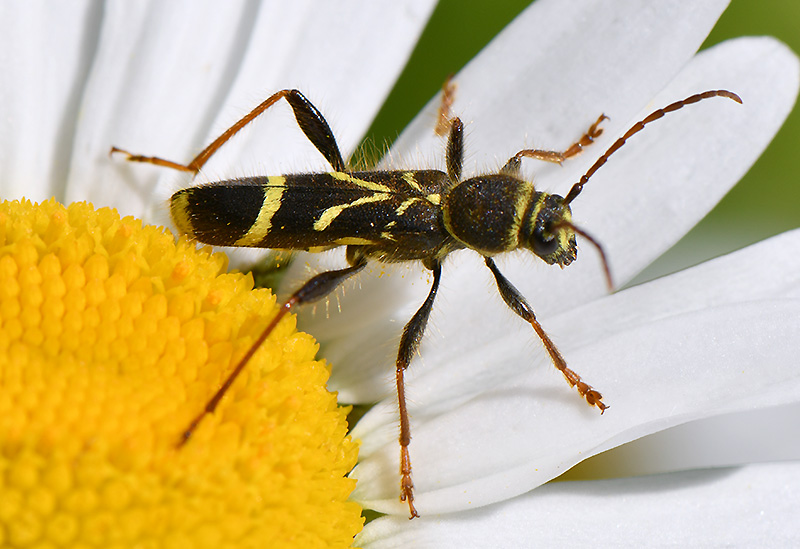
(543,242)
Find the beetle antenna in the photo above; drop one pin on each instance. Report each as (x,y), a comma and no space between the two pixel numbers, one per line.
(639,126)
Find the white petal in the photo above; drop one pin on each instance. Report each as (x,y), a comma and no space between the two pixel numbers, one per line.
(345,57)
(755,436)
(514,438)
(192,60)
(159,71)
(671,175)
(43,64)
(556,67)
(745,507)
(370,313)
(727,352)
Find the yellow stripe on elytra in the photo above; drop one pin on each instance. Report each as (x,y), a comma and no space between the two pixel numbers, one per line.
(273,192)
(353,241)
(401,209)
(369,185)
(327,217)
(347,241)
(179,209)
(411,180)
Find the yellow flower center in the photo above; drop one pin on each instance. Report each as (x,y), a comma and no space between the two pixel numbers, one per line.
(112,338)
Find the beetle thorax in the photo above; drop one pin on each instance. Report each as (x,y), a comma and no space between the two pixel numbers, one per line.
(498,213)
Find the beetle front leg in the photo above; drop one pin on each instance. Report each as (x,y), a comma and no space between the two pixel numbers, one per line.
(517,303)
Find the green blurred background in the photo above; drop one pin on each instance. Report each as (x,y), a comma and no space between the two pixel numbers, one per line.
(764,203)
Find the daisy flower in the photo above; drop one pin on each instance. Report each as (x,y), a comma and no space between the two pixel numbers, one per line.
(491,419)
(112,335)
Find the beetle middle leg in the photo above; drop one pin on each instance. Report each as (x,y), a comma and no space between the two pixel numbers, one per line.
(409,343)
(448,96)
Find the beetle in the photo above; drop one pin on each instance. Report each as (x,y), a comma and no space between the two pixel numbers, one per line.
(393,216)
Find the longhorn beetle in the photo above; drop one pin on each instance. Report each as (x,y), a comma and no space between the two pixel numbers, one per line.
(392,216)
